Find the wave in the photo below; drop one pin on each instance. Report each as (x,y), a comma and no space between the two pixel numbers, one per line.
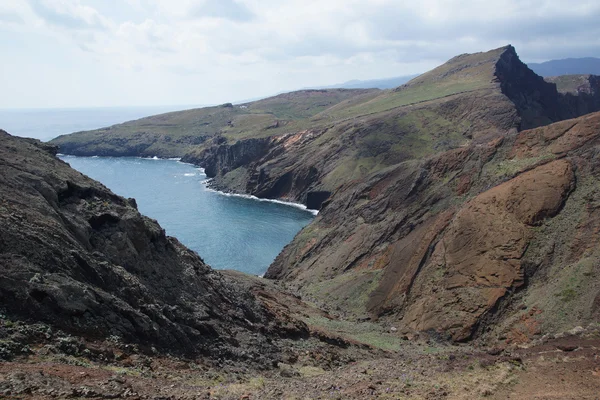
(182,162)
(251,197)
(178,159)
(189,174)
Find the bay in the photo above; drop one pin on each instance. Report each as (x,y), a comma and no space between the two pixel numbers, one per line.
(229,232)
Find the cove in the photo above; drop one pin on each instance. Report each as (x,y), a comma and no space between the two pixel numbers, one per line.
(228,232)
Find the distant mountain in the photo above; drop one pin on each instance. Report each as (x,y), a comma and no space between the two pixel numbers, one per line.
(568,66)
(387,83)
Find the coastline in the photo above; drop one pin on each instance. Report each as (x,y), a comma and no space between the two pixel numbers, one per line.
(252,197)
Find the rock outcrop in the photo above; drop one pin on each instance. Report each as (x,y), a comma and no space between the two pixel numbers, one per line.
(82,259)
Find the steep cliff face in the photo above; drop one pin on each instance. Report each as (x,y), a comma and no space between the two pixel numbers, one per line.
(536,100)
(493,240)
(80,258)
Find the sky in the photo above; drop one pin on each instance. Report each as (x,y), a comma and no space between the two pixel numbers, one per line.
(108,53)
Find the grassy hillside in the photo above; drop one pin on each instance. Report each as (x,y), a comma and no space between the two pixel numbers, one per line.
(463,242)
(172,134)
(573,83)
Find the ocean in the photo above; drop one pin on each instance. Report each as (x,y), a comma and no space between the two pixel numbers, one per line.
(228,232)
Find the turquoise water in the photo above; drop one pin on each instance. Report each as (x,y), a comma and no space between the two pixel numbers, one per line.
(229,232)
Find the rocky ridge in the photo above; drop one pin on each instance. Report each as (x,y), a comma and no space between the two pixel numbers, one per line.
(379,166)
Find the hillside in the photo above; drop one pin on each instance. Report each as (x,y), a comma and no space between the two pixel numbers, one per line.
(496,240)
(567,66)
(472,104)
(469,99)
(82,259)
(172,134)
(301,146)
(452,209)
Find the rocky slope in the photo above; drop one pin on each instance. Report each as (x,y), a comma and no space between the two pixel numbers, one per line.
(79,258)
(410,181)
(495,240)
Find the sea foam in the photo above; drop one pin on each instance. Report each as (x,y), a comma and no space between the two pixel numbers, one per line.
(251,197)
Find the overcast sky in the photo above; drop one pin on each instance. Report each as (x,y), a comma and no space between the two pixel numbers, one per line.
(80,53)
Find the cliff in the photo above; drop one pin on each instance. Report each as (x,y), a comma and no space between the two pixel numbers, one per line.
(301,146)
(343,157)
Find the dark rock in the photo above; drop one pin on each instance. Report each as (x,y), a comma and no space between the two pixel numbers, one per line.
(80,258)
(567,347)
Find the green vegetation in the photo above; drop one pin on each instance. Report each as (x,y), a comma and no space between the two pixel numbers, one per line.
(570,287)
(174,133)
(507,169)
(352,289)
(367,333)
(570,83)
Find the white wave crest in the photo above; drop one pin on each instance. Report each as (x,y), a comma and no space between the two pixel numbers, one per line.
(251,197)
(189,174)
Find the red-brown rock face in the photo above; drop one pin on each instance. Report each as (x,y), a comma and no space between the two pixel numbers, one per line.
(478,257)
(466,241)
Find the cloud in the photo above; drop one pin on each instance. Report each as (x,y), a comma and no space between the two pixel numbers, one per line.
(69,14)
(226,9)
(10,18)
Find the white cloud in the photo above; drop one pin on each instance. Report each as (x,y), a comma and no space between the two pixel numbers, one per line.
(69,14)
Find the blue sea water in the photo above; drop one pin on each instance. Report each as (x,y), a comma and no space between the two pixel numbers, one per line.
(229,232)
